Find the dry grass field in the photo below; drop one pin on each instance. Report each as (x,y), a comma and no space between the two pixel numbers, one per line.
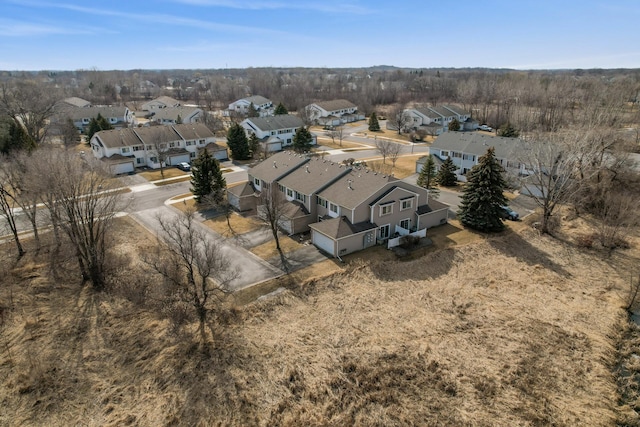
(511,329)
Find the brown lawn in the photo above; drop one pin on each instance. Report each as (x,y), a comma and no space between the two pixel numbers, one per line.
(268,250)
(405,165)
(169,172)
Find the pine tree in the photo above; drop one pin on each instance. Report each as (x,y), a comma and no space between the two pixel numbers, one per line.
(280,110)
(179,120)
(447,174)
(302,140)
(237,142)
(454,125)
(96,124)
(207,181)
(508,131)
(254,144)
(427,177)
(483,198)
(374,126)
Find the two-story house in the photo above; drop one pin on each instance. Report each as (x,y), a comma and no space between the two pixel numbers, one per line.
(274,132)
(334,113)
(160,103)
(346,208)
(116,116)
(173,115)
(436,119)
(126,149)
(465,149)
(262,105)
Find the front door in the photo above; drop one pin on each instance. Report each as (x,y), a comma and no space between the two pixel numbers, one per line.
(384,232)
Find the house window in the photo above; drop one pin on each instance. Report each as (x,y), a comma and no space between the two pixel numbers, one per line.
(444,153)
(333,208)
(386,209)
(153,159)
(190,143)
(139,160)
(322,202)
(456,154)
(281,188)
(137,148)
(192,155)
(289,192)
(172,144)
(256,181)
(125,150)
(406,204)
(405,223)
(201,142)
(301,197)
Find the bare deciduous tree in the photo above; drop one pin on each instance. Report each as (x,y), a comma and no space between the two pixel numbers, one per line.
(399,119)
(394,152)
(384,147)
(83,200)
(193,263)
(8,206)
(271,208)
(29,104)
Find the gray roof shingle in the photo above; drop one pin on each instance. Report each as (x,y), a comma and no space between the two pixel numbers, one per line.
(313,176)
(336,104)
(340,227)
(355,187)
(478,144)
(277,166)
(284,121)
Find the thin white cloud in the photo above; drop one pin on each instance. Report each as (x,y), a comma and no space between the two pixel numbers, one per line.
(12,28)
(162,19)
(318,6)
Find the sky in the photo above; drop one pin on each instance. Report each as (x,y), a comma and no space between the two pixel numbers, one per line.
(203,34)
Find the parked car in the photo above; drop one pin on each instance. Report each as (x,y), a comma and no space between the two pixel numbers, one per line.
(184,166)
(485,128)
(509,213)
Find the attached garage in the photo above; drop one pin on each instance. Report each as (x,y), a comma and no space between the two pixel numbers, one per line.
(177,159)
(121,168)
(323,242)
(119,164)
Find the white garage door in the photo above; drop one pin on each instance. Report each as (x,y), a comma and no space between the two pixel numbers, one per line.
(119,168)
(322,242)
(174,160)
(221,155)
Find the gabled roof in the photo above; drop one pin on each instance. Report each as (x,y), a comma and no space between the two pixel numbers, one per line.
(117,138)
(172,113)
(284,121)
(337,228)
(166,100)
(257,100)
(355,187)
(241,190)
(156,134)
(337,104)
(277,166)
(478,144)
(443,111)
(190,131)
(456,110)
(77,102)
(294,209)
(427,112)
(313,176)
(212,147)
(91,112)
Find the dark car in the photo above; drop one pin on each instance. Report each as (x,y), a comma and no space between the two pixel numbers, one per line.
(184,166)
(509,213)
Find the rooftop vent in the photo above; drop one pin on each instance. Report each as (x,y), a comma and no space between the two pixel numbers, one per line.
(349,181)
(274,164)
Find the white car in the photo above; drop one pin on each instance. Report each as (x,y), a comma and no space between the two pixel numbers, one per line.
(485,128)
(184,166)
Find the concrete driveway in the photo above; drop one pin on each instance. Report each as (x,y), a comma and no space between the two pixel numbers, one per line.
(251,268)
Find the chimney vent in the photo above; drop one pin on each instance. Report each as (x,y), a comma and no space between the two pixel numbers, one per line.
(274,164)
(349,184)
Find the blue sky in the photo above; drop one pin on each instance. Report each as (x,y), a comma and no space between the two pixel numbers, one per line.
(163,34)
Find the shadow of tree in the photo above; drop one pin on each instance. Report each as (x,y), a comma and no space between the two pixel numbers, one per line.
(514,245)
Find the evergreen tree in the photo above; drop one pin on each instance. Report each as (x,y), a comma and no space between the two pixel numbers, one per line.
(237,142)
(447,174)
(427,177)
(13,136)
(374,126)
(252,111)
(508,131)
(483,198)
(454,125)
(179,120)
(254,144)
(97,124)
(302,140)
(280,110)
(207,181)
